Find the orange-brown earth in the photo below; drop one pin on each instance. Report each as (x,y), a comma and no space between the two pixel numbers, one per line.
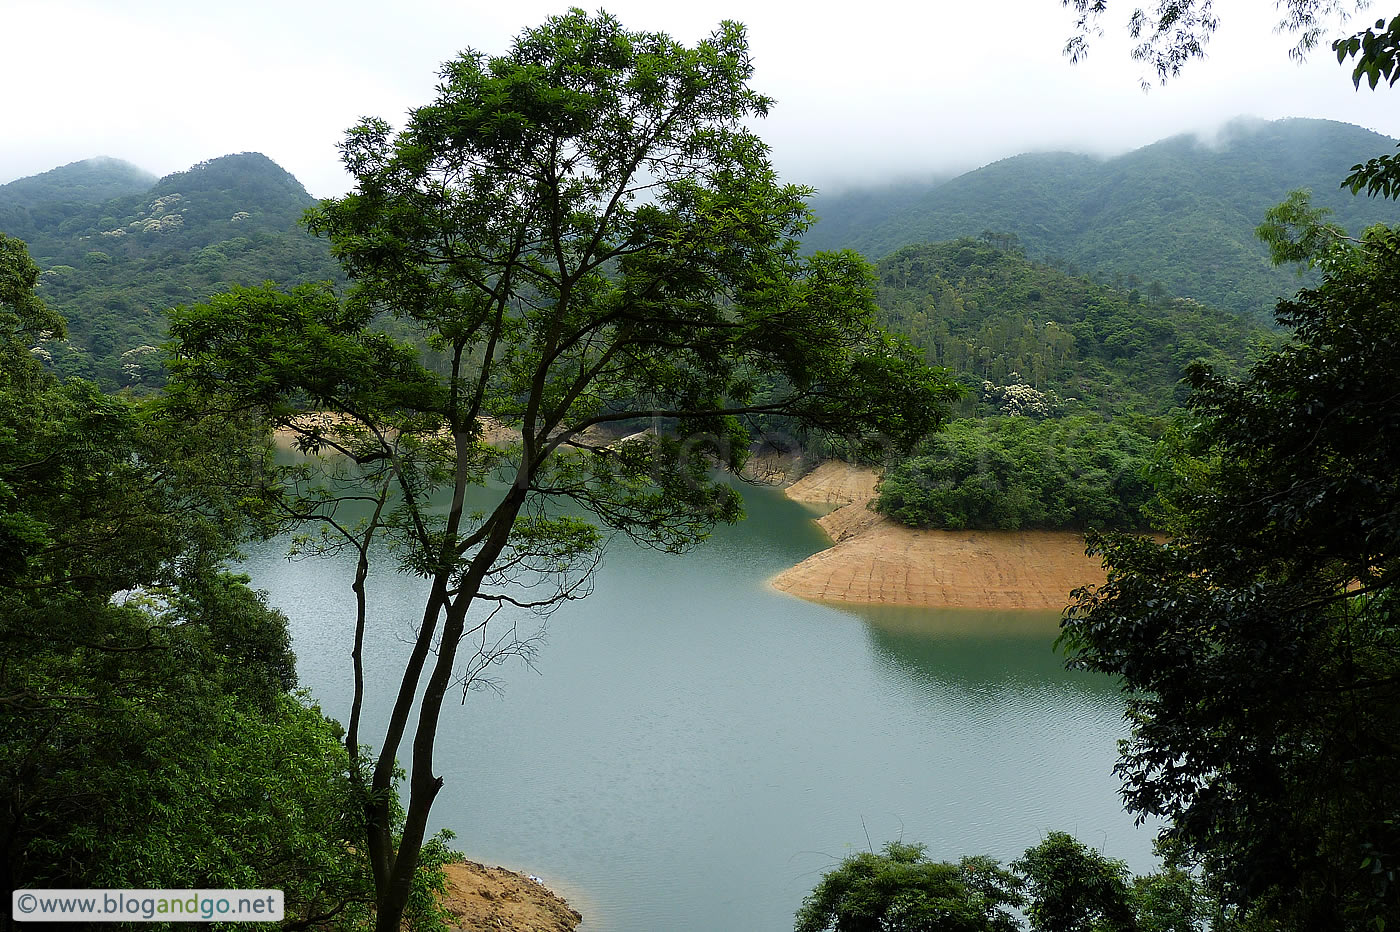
(493,898)
(874,560)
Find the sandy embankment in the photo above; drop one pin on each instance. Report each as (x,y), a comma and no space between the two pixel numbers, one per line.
(874,560)
(493,432)
(481,897)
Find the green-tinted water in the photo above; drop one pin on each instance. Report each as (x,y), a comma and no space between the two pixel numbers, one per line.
(697,748)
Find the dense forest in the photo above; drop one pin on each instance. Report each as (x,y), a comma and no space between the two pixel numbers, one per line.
(1069,383)
(1178,215)
(118,248)
(44,201)
(153,735)
(981,309)
(1024,338)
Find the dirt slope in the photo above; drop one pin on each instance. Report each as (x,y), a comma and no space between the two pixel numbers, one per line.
(874,560)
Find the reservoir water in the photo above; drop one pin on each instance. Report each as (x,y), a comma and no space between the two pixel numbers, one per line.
(692,749)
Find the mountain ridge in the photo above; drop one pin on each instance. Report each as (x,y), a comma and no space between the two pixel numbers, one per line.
(86,181)
(113,266)
(1181,211)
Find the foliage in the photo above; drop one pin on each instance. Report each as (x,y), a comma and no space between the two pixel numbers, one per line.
(24,318)
(1075,889)
(148,734)
(1177,31)
(1297,232)
(1059,885)
(113,264)
(1179,212)
(585,235)
(1259,648)
(1379,175)
(989,315)
(1174,900)
(1374,49)
(1057,436)
(1011,472)
(901,890)
(70,187)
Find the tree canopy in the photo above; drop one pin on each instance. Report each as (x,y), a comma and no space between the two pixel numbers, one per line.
(1015,472)
(117,248)
(902,890)
(1059,885)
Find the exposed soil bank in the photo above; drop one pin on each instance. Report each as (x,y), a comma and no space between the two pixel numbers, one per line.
(481,897)
(874,560)
(493,432)
(834,483)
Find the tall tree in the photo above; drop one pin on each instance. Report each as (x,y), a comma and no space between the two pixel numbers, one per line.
(587,235)
(1259,648)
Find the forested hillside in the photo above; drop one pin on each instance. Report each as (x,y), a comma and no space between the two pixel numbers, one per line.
(1180,213)
(113,265)
(42,201)
(152,734)
(1069,384)
(1093,366)
(992,316)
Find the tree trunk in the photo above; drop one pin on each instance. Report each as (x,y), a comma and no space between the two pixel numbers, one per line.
(423,784)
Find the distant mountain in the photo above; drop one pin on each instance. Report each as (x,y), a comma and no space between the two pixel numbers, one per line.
(848,214)
(89,182)
(45,202)
(1180,212)
(113,265)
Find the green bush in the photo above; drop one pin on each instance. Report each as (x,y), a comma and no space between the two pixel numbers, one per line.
(1010,473)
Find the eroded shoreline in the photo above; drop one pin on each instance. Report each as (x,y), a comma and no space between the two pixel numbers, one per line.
(481,897)
(876,561)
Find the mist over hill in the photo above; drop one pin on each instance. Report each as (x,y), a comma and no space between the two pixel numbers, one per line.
(1180,212)
(1174,218)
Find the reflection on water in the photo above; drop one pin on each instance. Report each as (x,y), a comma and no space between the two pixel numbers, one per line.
(695,748)
(975,650)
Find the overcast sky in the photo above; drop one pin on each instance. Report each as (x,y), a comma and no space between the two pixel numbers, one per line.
(866,91)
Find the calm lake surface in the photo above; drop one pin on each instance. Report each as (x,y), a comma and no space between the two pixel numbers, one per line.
(694,749)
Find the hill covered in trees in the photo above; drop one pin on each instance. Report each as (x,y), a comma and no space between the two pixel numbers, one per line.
(1070,384)
(997,319)
(113,264)
(1180,213)
(36,202)
(1092,367)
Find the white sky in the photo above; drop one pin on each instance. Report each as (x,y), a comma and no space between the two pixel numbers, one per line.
(866,91)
